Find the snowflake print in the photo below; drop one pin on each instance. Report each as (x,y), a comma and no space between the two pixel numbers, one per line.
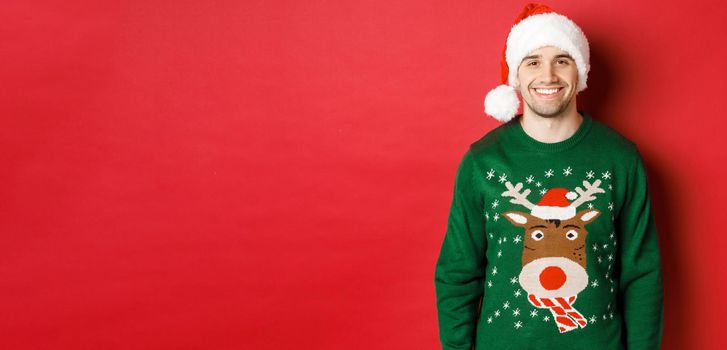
(517,292)
(592,319)
(518,325)
(490,173)
(495,203)
(605,245)
(589,174)
(604,316)
(538,184)
(517,239)
(600,260)
(496,217)
(529,179)
(502,178)
(487,216)
(490,235)
(610,315)
(567,171)
(533,313)
(612,235)
(489,319)
(497,313)
(610,257)
(595,247)
(610,187)
(516,312)
(590,205)
(513,280)
(611,289)
(506,305)
(489,284)
(594,283)
(494,270)
(606,175)
(499,240)
(549,173)
(504,239)
(542,192)
(610,205)
(546,318)
(499,253)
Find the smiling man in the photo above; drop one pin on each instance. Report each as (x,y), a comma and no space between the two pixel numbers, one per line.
(550,241)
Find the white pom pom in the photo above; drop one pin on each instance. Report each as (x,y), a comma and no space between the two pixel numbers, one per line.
(502,103)
(571,195)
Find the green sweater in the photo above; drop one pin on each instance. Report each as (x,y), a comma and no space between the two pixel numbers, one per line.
(550,245)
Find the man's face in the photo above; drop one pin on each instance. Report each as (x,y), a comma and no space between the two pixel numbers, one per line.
(539,75)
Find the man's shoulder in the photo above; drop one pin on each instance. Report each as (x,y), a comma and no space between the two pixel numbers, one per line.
(603,135)
(490,141)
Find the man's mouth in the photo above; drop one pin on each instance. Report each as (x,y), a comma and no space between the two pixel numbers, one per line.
(548,93)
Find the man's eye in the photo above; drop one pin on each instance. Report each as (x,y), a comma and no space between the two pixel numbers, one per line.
(532,63)
(563,61)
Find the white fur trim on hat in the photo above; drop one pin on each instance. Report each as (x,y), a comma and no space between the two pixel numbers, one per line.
(547,29)
(550,212)
(502,103)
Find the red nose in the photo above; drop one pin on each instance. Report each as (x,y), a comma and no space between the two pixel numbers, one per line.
(552,277)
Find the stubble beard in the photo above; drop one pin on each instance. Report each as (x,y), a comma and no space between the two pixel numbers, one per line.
(547,109)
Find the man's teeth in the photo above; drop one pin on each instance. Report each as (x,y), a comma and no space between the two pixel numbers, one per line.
(546,91)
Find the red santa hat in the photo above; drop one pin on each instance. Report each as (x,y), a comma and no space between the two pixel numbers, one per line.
(537,26)
(555,204)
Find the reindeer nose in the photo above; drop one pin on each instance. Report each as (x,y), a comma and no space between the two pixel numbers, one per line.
(552,277)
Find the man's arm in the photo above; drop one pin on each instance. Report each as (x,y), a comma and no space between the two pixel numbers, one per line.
(640,284)
(459,274)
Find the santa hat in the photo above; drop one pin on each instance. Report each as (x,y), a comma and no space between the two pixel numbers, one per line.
(537,26)
(555,205)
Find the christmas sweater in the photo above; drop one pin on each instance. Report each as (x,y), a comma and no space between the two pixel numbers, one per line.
(550,245)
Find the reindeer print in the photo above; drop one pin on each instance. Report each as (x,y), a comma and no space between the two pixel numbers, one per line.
(554,248)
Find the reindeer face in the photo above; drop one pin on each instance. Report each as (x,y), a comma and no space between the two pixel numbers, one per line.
(553,238)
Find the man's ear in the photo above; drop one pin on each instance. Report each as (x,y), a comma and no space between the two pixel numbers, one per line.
(517,218)
(588,215)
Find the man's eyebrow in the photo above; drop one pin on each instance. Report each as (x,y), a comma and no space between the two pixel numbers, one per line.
(563,55)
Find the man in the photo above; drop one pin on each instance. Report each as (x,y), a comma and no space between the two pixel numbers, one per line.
(550,242)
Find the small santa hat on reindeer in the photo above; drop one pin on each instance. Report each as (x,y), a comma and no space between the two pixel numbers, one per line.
(555,204)
(537,26)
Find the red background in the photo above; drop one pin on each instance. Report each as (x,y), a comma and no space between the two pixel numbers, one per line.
(268,175)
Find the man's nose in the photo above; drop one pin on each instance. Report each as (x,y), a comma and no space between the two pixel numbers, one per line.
(549,74)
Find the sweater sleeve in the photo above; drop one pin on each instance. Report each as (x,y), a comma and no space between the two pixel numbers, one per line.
(640,282)
(459,273)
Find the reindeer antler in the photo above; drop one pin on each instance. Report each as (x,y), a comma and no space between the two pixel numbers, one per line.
(518,198)
(587,195)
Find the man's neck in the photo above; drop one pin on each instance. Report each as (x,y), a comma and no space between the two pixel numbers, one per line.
(552,129)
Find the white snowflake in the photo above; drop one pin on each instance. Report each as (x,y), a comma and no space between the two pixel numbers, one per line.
(611,289)
(606,175)
(595,246)
(487,216)
(499,253)
(610,315)
(538,184)
(529,179)
(599,260)
(605,245)
(495,203)
(533,313)
(489,319)
(499,240)
(504,239)
(491,235)
(604,316)
(549,173)
(502,178)
(610,258)
(518,325)
(516,312)
(610,187)
(546,318)
(542,192)
(490,173)
(494,270)
(513,280)
(489,284)
(609,306)
(517,292)
(496,217)
(592,319)
(613,234)
(506,305)
(497,313)
(517,239)
(589,174)
(610,205)
(567,171)
(594,283)
(590,205)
